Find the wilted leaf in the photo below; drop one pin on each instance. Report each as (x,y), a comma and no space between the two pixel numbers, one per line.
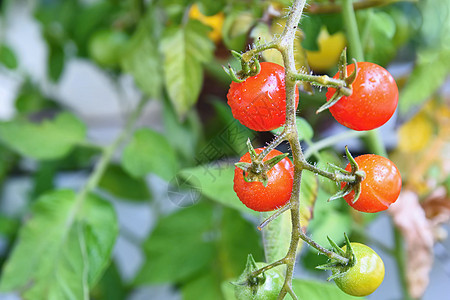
(409,217)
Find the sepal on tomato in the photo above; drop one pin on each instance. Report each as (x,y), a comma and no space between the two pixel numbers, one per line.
(247,280)
(344,175)
(248,68)
(343,91)
(339,269)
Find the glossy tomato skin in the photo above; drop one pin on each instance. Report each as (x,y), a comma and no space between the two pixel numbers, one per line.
(381,186)
(278,190)
(259,102)
(365,276)
(373,101)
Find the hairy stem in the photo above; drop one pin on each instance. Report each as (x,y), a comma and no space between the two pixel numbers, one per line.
(323,81)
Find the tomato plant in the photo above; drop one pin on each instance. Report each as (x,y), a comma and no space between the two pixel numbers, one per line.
(365,276)
(258,197)
(372,102)
(380,187)
(259,102)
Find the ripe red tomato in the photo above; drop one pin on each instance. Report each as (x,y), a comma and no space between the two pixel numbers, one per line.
(365,276)
(278,190)
(259,102)
(373,101)
(381,186)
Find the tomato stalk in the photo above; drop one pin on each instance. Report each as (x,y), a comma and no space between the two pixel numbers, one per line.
(285,45)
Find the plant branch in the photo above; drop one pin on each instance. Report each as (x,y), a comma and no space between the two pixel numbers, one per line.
(105,159)
(323,81)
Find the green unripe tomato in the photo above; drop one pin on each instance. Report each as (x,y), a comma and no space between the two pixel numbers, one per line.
(365,276)
(268,290)
(107,46)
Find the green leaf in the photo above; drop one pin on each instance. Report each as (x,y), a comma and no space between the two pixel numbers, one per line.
(180,245)
(7,57)
(110,286)
(185,49)
(142,59)
(149,152)
(308,289)
(8,226)
(203,287)
(276,236)
(63,249)
(238,239)
(432,68)
(308,195)
(56,61)
(50,139)
(235,29)
(328,221)
(305,131)
(209,8)
(120,184)
(216,183)
(185,135)
(377,41)
(310,26)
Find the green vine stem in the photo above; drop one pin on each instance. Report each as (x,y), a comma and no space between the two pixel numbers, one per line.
(105,159)
(323,81)
(372,139)
(284,43)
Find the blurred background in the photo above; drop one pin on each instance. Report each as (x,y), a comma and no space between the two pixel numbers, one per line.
(73,72)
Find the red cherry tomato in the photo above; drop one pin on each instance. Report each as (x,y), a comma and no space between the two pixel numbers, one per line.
(259,102)
(373,101)
(381,186)
(278,190)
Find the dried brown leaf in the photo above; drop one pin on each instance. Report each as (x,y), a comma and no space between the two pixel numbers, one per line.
(409,217)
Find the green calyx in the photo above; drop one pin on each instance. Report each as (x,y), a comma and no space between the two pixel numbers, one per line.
(345,90)
(338,268)
(353,178)
(257,169)
(248,69)
(247,281)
